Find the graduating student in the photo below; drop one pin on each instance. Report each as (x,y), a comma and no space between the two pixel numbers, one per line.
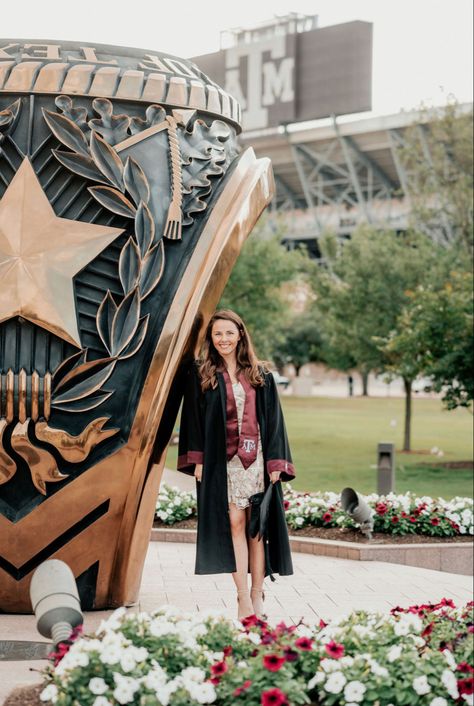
(233,439)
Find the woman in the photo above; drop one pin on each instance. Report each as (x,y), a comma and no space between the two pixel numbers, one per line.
(233,439)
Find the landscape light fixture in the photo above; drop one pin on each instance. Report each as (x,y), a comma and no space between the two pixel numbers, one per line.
(55,600)
(358,510)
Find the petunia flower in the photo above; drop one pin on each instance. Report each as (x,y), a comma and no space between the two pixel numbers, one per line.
(273,662)
(334,649)
(273,697)
(304,643)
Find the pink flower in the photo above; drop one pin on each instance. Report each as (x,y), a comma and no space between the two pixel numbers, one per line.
(334,649)
(244,687)
(273,697)
(219,668)
(304,643)
(273,662)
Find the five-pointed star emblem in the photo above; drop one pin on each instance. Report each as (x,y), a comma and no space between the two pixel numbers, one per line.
(39,255)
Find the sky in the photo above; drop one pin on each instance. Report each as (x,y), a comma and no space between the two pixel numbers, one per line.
(423,49)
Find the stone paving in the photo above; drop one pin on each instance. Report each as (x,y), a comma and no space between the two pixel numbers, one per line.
(321,587)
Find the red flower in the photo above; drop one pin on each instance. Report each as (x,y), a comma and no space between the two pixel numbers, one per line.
(413,519)
(327,517)
(395,519)
(273,697)
(428,630)
(322,624)
(381,508)
(404,514)
(466,686)
(304,643)
(219,668)
(273,662)
(290,655)
(244,687)
(227,650)
(465,667)
(215,680)
(448,602)
(250,621)
(334,649)
(435,521)
(286,504)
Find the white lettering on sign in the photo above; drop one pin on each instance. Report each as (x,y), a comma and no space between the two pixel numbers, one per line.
(267,81)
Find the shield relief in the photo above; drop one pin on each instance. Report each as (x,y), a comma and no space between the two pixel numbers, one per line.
(124,203)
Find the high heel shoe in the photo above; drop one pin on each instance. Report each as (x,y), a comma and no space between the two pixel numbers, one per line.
(244,604)
(258,596)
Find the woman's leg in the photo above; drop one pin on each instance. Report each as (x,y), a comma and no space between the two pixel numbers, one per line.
(257,572)
(238,521)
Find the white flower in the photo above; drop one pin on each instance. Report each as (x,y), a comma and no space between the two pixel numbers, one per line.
(125,689)
(110,654)
(449,681)
(127,661)
(299,520)
(401,629)
(394,653)
(421,686)
(438,701)
(377,669)
(202,693)
(156,678)
(101,701)
(354,691)
(335,683)
(193,674)
(450,659)
(329,665)
(50,693)
(469,699)
(317,679)
(97,685)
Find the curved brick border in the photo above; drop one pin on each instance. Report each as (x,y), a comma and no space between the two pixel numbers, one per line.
(452,557)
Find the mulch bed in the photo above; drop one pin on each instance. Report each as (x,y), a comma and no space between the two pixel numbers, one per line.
(25,696)
(343,534)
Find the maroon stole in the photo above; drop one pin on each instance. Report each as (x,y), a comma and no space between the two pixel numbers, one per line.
(245,445)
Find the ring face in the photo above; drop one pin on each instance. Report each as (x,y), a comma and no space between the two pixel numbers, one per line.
(120,220)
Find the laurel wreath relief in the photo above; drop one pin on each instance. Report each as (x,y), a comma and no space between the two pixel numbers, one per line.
(123,189)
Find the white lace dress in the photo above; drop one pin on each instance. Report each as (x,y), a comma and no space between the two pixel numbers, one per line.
(244,482)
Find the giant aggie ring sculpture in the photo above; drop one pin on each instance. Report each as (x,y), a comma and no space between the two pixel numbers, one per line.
(124,202)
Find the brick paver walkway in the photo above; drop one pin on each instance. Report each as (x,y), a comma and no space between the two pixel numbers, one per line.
(322,587)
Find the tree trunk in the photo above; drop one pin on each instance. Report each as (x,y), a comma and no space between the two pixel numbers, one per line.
(407,430)
(365,383)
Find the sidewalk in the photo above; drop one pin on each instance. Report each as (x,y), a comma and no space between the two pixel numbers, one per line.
(321,587)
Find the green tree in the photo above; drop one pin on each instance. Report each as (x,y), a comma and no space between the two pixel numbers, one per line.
(434,336)
(438,156)
(255,289)
(303,342)
(361,288)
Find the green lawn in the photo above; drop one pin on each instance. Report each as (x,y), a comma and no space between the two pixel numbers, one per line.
(334,444)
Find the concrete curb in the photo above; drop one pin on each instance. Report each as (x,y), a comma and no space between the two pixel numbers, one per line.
(451,557)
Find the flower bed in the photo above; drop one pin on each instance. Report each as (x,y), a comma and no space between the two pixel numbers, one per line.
(419,655)
(392,514)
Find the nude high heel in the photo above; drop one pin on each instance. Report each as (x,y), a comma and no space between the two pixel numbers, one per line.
(243,605)
(258,596)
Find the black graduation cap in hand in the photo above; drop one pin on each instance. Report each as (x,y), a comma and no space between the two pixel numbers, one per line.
(258,525)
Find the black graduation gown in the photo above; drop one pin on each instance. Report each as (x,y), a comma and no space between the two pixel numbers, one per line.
(202,439)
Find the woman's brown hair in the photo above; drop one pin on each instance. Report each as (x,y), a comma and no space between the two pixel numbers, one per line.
(247,362)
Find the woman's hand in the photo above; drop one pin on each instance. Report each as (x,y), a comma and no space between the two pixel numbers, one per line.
(198,472)
(275,476)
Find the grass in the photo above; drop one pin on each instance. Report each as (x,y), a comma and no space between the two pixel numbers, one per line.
(334,443)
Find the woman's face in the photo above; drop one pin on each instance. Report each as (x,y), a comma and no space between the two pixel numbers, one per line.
(225,336)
